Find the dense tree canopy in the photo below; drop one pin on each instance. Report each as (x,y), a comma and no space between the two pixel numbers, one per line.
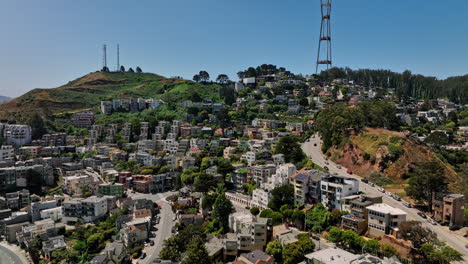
(425,180)
(336,122)
(406,83)
(290,148)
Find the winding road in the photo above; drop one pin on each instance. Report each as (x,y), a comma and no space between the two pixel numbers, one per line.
(7,256)
(312,148)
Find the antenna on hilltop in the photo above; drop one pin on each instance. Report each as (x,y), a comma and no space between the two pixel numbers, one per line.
(118,58)
(324,57)
(104,56)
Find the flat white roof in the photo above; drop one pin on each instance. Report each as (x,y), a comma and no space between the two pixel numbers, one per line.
(386,209)
(332,256)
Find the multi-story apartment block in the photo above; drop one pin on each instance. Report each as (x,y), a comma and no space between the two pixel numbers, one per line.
(250,157)
(7,152)
(89,209)
(449,208)
(83,119)
(7,178)
(76,184)
(44,229)
(239,177)
(384,219)
(335,188)
(37,207)
(281,176)
(356,220)
(29,152)
(261,173)
(249,233)
(306,185)
(16,134)
(112,189)
(106,107)
(18,200)
(55,213)
(260,198)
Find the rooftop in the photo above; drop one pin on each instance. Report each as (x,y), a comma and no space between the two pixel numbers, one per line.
(256,255)
(332,256)
(386,209)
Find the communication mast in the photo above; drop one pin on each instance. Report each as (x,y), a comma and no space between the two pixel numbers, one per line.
(324,53)
(104,56)
(118,58)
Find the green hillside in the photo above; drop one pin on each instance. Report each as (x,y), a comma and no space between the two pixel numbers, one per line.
(86,93)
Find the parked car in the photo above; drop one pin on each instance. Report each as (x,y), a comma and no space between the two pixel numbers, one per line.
(326,162)
(152,243)
(314,237)
(156,260)
(365,180)
(371,184)
(338,167)
(349,171)
(431,221)
(421,214)
(325,167)
(380,189)
(388,193)
(396,197)
(335,173)
(407,204)
(143,255)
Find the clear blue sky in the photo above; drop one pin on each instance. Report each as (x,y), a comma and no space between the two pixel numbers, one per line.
(46,43)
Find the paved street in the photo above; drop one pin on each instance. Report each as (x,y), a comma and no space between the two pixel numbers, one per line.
(7,256)
(164,227)
(315,153)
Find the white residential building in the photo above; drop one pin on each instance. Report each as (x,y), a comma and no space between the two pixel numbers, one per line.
(334,188)
(52,213)
(7,152)
(384,219)
(16,134)
(250,157)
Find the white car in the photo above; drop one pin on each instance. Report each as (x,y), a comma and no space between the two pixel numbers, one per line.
(388,193)
(431,221)
(380,189)
(406,204)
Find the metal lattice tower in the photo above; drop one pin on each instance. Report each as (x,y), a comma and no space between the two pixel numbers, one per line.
(104,56)
(324,53)
(118,58)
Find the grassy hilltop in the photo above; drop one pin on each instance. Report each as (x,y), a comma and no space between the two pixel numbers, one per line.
(86,93)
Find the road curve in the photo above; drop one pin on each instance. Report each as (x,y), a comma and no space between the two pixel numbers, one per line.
(312,148)
(7,256)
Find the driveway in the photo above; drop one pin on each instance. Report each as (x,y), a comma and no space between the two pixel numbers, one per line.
(315,154)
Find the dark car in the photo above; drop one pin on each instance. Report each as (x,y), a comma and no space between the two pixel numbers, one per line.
(421,214)
(143,255)
(325,167)
(157,260)
(152,243)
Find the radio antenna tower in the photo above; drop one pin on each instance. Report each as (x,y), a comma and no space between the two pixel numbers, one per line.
(324,53)
(104,56)
(118,58)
